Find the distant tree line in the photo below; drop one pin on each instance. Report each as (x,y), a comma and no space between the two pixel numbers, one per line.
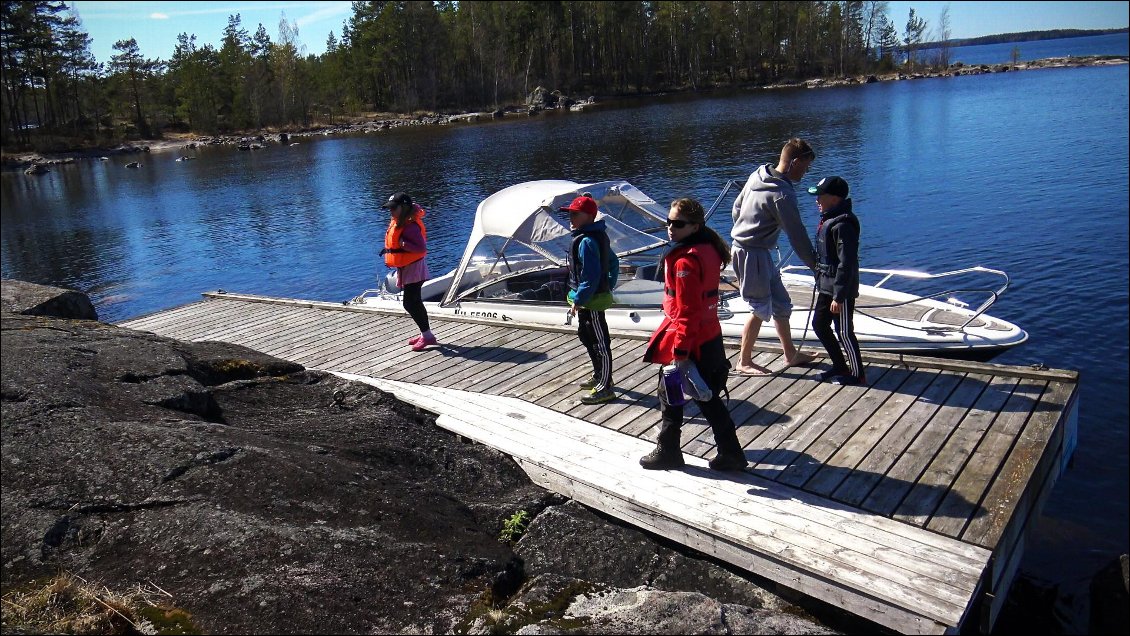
(1026,36)
(421,55)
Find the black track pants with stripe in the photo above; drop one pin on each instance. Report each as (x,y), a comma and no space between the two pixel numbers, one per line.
(837,333)
(592,329)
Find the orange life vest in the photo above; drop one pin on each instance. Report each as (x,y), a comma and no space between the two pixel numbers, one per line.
(396,256)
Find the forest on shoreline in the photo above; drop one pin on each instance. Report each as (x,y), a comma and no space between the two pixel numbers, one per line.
(406,58)
(1025,36)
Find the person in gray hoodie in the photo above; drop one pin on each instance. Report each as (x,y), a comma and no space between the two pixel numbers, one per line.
(766,205)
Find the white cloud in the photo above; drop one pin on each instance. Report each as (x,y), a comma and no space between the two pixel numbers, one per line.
(158,16)
(325,13)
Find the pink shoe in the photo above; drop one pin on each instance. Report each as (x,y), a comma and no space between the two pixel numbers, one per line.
(415,339)
(424,342)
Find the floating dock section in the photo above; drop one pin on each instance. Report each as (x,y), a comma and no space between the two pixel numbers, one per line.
(906,502)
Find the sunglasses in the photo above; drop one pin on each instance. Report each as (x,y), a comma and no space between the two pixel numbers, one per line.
(678,224)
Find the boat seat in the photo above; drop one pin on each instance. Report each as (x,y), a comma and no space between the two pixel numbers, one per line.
(553,290)
(647,272)
(639,292)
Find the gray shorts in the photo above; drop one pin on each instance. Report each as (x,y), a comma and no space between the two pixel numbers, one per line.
(760,283)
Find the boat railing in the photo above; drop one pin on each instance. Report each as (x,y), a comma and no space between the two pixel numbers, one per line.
(721,195)
(359,299)
(948,295)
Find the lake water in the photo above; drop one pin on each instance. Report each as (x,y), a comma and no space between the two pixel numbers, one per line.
(1025,172)
(1109,44)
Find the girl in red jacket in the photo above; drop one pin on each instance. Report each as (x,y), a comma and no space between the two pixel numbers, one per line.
(690,332)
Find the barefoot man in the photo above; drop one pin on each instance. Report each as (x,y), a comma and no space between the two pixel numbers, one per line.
(766,205)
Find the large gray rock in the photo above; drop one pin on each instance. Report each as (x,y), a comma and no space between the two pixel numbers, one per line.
(263,497)
(648,611)
(638,585)
(266,498)
(21,297)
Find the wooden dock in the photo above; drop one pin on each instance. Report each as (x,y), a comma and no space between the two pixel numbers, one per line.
(905,502)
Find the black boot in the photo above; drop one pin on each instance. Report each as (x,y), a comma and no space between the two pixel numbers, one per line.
(730,454)
(667,453)
(729,461)
(663,459)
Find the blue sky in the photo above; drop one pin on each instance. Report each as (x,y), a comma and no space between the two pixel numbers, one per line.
(155,25)
(969,19)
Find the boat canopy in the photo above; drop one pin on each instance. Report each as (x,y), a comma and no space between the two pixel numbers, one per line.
(521,229)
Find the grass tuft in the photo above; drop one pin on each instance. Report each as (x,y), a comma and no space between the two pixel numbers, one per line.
(68,604)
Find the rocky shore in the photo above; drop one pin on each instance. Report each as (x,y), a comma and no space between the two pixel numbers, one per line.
(260,497)
(540,100)
(958,69)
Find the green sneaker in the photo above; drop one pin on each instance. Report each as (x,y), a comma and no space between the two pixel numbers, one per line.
(588,384)
(599,397)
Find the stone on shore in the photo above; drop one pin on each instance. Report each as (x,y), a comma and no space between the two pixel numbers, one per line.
(30,299)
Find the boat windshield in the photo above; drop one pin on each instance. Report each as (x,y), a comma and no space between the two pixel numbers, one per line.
(521,231)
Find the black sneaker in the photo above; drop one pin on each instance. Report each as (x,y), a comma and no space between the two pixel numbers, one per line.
(831,374)
(849,380)
(729,462)
(660,459)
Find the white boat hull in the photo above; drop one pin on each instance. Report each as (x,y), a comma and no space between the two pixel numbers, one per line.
(514,270)
(931,328)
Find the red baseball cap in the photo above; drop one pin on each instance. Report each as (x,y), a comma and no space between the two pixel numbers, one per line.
(582,204)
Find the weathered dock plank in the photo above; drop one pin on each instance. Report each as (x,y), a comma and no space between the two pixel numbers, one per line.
(808,539)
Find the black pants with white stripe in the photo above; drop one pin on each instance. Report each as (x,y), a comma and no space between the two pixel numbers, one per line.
(592,328)
(836,331)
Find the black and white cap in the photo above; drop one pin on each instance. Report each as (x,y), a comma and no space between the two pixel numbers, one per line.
(830,185)
(400,198)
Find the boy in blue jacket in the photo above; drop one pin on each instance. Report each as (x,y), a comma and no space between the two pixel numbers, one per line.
(593,271)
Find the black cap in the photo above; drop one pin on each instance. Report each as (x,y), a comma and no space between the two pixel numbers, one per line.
(831,185)
(400,198)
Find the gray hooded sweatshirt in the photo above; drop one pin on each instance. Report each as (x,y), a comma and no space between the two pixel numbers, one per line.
(766,205)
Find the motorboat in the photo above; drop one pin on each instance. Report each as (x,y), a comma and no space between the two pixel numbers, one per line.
(514,271)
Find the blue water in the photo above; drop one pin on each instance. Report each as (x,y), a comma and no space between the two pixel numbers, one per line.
(1025,172)
(1109,44)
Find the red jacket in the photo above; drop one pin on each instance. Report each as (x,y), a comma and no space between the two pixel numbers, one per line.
(690,307)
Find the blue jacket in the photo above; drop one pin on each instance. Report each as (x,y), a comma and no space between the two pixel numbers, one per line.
(593,267)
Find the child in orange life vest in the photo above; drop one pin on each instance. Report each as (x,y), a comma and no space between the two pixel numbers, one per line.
(406,249)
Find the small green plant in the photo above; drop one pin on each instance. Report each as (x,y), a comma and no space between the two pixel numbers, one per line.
(514,527)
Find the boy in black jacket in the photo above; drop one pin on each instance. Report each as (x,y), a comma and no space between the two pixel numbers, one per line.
(837,281)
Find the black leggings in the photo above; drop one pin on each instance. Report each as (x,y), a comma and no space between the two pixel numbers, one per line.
(414,305)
